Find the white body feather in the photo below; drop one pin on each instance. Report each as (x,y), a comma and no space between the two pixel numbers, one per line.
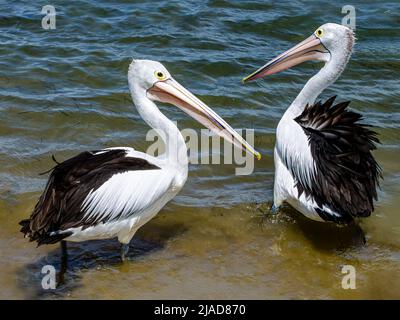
(292,142)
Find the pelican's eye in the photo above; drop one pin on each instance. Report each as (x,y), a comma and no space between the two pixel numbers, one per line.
(319,33)
(160,75)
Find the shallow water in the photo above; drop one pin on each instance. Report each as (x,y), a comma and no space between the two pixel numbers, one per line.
(65,90)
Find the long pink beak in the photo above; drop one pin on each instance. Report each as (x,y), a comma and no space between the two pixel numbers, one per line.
(309,49)
(170,91)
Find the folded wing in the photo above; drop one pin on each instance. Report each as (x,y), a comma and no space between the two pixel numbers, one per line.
(345,175)
(94,187)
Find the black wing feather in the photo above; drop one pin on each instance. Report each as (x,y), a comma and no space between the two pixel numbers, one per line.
(347,175)
(59,206)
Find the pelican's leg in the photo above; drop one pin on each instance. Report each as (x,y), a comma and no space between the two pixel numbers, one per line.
(124,250)
(360,234)
(64,251)
(64,263)
(282,179)
(125,238)
(274,209)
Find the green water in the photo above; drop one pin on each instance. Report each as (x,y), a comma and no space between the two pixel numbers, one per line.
(65,90)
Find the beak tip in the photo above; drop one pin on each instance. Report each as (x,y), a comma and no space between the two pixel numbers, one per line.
(249,78)
(258,156)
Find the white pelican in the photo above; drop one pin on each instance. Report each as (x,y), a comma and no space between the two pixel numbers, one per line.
(112,192)
(323,162)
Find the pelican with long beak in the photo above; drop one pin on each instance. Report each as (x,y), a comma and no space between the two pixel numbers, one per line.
(323,162)
(112,192)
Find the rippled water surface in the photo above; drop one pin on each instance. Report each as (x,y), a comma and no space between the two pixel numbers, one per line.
(63,91)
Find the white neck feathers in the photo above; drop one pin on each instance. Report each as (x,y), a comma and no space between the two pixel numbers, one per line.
(318,83)
(175,146)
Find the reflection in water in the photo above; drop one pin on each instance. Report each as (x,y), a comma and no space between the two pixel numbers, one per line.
(323,236)
(97,254)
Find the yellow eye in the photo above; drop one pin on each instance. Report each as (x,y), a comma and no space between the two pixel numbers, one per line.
(319,33)
(160,75)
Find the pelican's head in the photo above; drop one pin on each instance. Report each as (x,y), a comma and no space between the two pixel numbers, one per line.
(143,74)
(151,80)
(329,42)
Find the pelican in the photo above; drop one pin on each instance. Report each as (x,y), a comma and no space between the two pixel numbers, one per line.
(323,162)
(112,192)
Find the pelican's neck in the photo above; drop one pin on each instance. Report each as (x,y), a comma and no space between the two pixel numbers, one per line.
(318,83)
(175,146)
